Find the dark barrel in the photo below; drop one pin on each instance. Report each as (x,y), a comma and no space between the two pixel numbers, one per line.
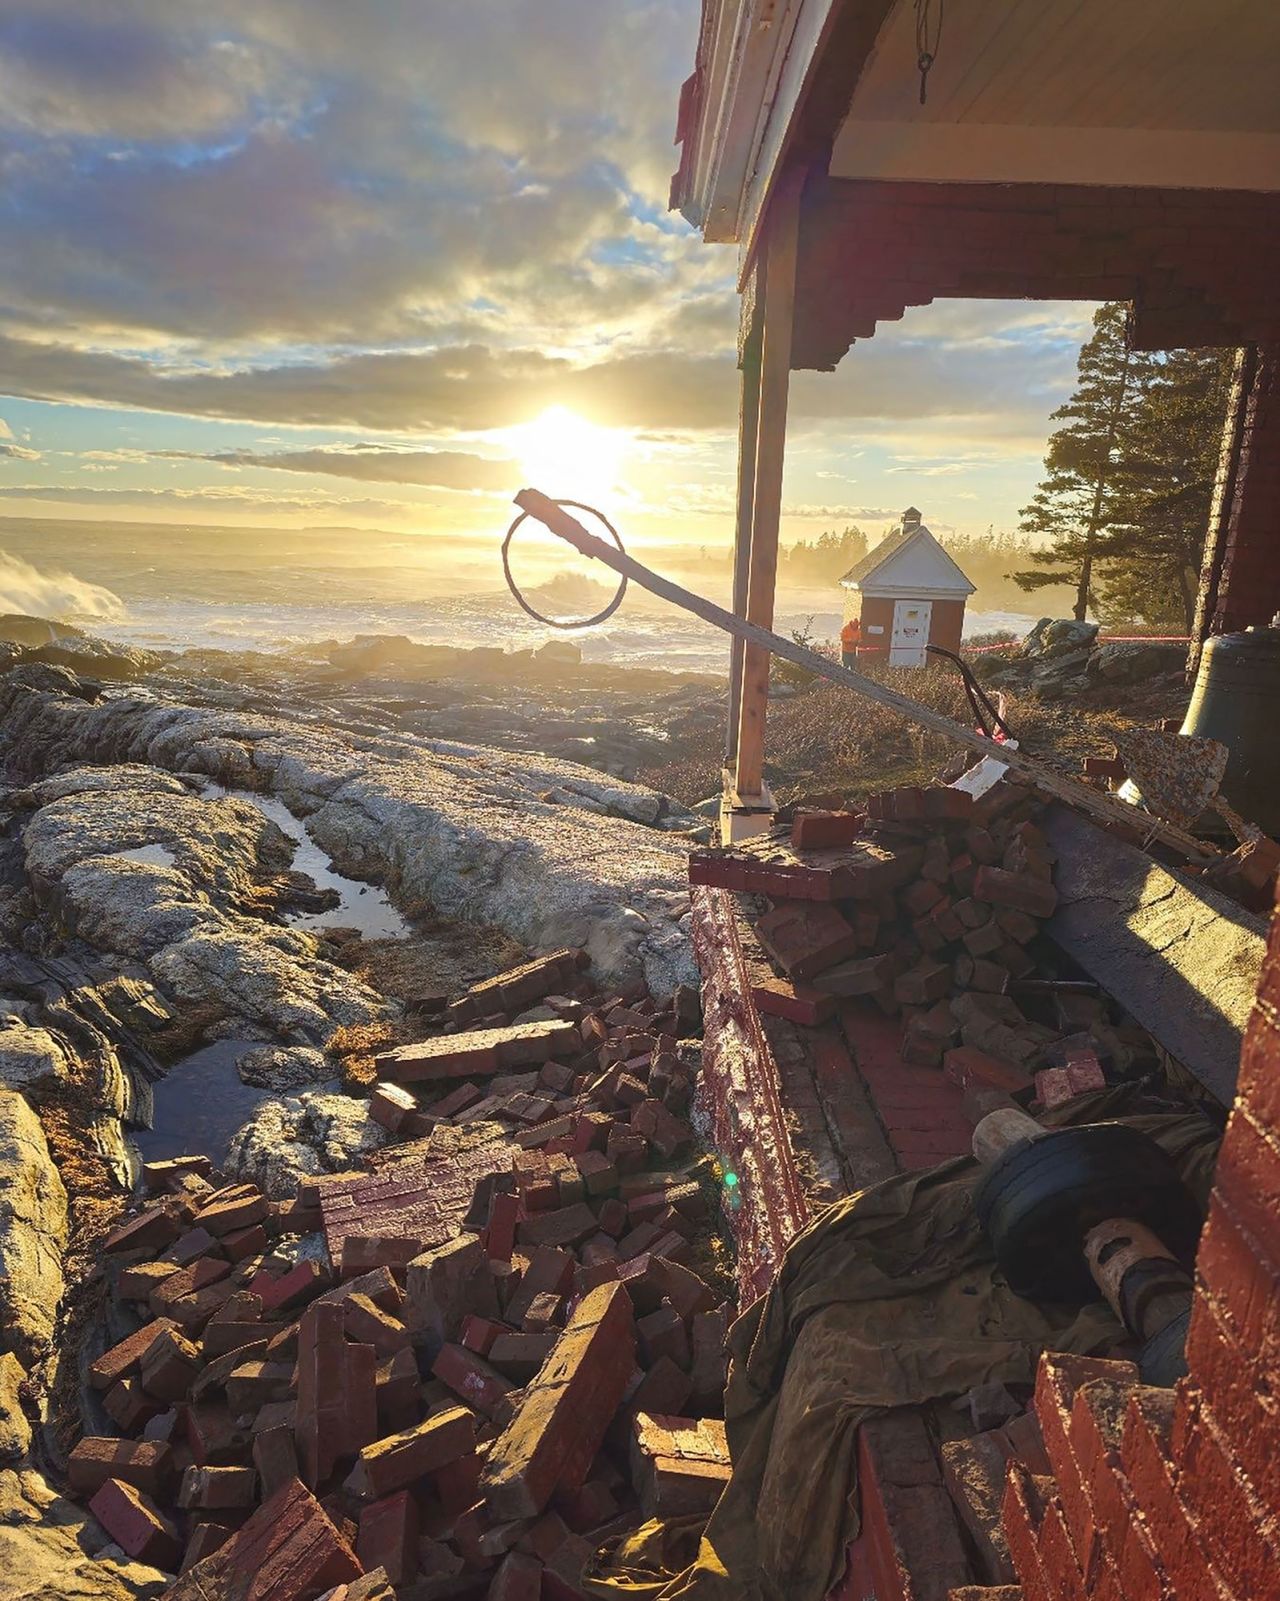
(1237,700)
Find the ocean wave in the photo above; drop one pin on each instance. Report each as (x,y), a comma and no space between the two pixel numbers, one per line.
(60,596)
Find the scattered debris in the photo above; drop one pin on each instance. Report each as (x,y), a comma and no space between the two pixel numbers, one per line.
(483,1354)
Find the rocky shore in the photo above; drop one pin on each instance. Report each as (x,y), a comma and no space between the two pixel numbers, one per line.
(151,908)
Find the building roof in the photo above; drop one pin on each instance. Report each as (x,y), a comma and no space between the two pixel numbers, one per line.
(908,561)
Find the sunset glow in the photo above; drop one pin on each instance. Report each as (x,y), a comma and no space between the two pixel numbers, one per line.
(564,455)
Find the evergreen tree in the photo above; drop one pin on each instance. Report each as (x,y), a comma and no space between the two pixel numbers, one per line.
(1163,490)
(1073,502)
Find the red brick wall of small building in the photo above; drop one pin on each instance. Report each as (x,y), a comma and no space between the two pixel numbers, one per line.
(1186,1506)
(945,625)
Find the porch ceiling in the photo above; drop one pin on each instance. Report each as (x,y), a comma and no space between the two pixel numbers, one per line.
(1073,91)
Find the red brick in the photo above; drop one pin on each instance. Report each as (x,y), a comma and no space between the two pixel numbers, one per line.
(1232,1524)
(136,1525)
(388,1537)
(129,1406)
(151,1230)
(275,1456)
(816,830)
(1020,891)
(206,1537)
(805,938)
(966,1067)
(214,1435)
(337,1396)
(518,1578)
(244,1243)
(396,1462)
(457,1484)
(236,1206)
(468,1376)
(500,1233)
(480,1052)
(169,1365)
(442,1286)
(558,1428)
(679,1466)
(147,1465)
(289,1550)
(390,1105)
(217,1489)
(1248,1178)
(1055,1086)
(567,1226)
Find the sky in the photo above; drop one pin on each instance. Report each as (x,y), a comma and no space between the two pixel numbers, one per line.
(376,263)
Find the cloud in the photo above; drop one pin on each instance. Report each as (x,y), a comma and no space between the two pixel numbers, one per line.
(1002,389)
(308,169)
(11,451)
(439,469)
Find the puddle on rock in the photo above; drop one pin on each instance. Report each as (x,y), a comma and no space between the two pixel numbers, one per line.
(151,855)
(199,1104)
(362,906)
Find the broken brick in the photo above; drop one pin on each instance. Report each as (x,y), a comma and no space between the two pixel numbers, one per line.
(558,1428)
(395,1462)
(288,1549)
(136,1525)
(147,1465)
(679,1465)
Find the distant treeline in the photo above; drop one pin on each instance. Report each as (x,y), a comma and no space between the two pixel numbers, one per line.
(988,560)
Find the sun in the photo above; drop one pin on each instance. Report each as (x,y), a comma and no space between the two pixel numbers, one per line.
(568,457)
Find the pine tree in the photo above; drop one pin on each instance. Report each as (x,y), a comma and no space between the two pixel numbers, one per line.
(1163,489)
(1073,502)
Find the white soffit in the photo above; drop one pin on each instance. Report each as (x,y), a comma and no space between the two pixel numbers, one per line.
(1167,93)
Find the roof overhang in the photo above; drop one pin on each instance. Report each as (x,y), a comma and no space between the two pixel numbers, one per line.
(1056,92)
(763,68)
(870,590)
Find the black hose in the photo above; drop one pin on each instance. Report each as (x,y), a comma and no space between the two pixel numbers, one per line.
(985,714)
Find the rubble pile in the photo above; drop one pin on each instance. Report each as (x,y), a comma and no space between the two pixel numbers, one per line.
(925,905)
(453,1372)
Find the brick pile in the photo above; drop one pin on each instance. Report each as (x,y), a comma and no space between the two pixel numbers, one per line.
(315,1399)
(923,906)
(928,894)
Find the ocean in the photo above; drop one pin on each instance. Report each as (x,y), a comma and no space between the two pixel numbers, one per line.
(175,588)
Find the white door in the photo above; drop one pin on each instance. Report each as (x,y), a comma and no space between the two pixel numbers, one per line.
(910,635)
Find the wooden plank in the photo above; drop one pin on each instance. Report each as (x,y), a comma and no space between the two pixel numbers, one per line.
(1181,958)
(1094,803)
(777,317)
(748,433)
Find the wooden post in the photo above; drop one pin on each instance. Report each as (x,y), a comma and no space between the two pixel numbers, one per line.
(748,429)
(775,373)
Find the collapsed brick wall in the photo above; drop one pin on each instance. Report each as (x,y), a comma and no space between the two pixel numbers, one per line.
(1175,1495)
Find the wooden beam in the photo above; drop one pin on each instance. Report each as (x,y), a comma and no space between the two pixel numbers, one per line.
(777,317)
(748,431)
